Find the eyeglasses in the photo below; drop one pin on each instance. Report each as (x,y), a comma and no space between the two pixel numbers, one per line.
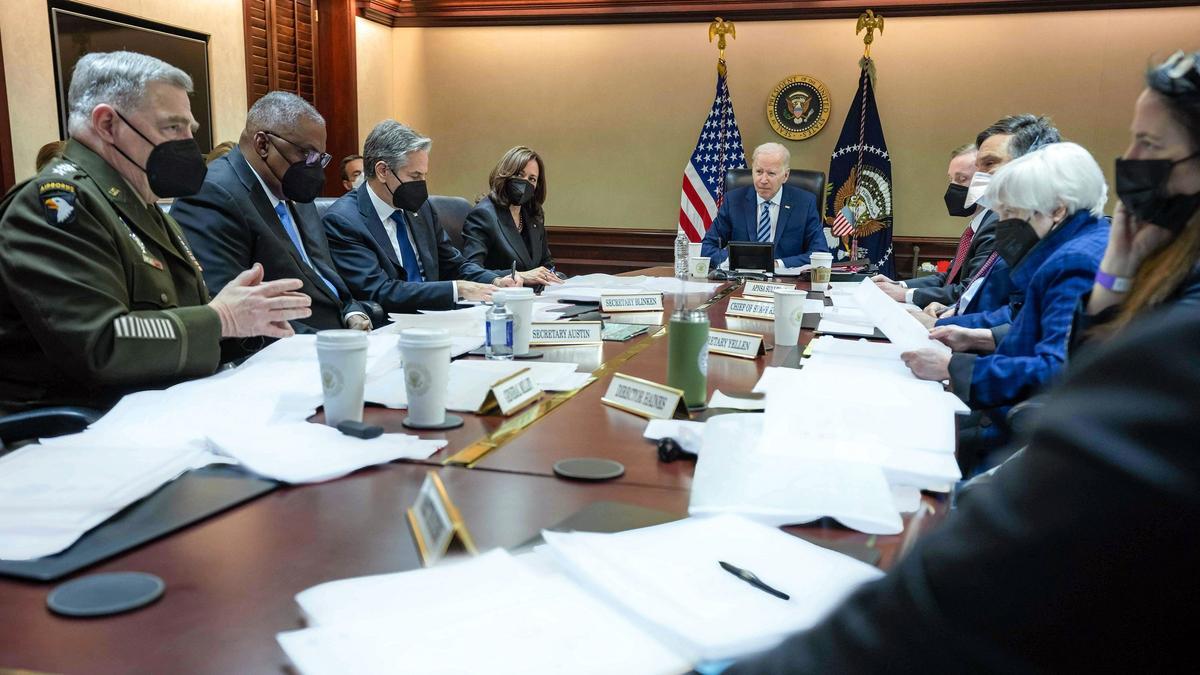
(311,157)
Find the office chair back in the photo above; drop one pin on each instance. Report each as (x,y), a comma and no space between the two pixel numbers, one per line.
(805,179)
(323,204)
(451,214)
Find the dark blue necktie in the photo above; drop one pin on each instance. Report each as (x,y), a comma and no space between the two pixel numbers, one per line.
(408,257)
(764,223)
(290,227)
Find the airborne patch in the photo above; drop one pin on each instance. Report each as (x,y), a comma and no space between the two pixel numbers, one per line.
(58,202)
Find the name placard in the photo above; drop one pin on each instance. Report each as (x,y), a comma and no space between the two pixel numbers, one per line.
(735,343)
(643,397)
(436,522)
(755,308)
(638,302)
(765,289)
(511,394)
(566,332)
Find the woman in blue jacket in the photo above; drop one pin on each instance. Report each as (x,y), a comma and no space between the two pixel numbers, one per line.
(1051,234)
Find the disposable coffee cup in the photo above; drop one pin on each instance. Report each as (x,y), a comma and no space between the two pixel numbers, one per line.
(519,301)
(789,314)
(698,266)
(822,265)
(342,355)
(694,250)
(426,354)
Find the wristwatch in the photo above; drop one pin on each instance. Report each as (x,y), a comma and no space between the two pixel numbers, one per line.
(1114,283)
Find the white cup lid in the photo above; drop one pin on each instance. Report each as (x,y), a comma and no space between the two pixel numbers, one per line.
(424,337)
(342,338)
(822,256)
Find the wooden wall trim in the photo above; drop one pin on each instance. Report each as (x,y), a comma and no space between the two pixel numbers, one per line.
(432,13)
(337,85)
(582,250)
(8,173)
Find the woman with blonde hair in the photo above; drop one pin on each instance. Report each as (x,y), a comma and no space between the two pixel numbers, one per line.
(509,224)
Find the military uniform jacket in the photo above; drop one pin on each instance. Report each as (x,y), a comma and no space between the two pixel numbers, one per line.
(100,294)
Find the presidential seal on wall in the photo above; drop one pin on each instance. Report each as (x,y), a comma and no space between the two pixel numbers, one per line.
(798,107)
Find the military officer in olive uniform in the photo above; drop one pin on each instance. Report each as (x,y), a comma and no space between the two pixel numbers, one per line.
(100,294)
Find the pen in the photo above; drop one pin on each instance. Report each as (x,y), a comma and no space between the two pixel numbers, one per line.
(514,270)
(750,578)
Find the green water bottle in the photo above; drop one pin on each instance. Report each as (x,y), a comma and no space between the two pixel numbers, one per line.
(687,356)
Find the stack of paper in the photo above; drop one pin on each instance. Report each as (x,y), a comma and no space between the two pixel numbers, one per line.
(668,579)
(51,495)
(516,621)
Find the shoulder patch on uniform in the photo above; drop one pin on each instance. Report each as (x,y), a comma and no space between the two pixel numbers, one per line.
(58,202)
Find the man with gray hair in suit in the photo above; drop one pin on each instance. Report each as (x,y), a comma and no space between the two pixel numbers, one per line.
(256,207)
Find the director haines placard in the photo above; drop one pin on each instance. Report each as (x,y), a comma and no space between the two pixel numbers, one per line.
(798,107)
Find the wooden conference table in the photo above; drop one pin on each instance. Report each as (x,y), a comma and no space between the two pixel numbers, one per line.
(231,579)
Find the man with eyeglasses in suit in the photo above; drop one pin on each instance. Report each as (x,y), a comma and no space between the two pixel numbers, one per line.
(256,206)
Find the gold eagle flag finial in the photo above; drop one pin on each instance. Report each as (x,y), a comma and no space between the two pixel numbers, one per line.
(719,28)
(869,21)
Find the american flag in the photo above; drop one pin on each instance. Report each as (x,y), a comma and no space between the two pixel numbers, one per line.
(843,224)
(718,150)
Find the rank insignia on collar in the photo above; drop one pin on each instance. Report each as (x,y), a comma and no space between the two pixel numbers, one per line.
(58,202)
(114,191)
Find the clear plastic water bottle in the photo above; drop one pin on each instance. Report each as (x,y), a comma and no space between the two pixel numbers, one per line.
(681,254)
(498,332)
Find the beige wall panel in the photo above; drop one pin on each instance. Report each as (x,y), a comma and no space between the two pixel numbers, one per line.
(29,70)
(616,110)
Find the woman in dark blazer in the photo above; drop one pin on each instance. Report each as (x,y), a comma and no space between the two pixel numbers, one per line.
(509,224)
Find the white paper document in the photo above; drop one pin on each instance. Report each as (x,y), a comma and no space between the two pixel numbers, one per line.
(668,579)
(828,325)
(784,485)
(589,287)
(689,435)
(721,400)
(50,495)
(893,319)
(302,452)
(518,622)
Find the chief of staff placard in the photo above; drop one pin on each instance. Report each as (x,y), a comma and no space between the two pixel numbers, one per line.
(798,107)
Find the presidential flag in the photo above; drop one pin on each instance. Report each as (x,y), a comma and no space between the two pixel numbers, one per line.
(860,179)
(718,150)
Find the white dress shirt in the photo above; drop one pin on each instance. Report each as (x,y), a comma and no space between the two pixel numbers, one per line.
(773,212)
(975,222)
(385,211)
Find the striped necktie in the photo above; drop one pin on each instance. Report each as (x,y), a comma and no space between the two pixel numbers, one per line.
(764,223)
(981,274)
(960,256)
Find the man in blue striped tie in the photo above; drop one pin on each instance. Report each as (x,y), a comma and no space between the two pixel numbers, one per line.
(769,211)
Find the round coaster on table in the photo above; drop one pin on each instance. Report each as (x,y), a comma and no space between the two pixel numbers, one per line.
(105,594)
(450,422)
(531,354)
(589,468)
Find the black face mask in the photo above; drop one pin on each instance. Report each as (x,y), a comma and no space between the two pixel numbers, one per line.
(956,201)
(1014,239)
(410,196)
(1142,187)
(174,168)
(519,191)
